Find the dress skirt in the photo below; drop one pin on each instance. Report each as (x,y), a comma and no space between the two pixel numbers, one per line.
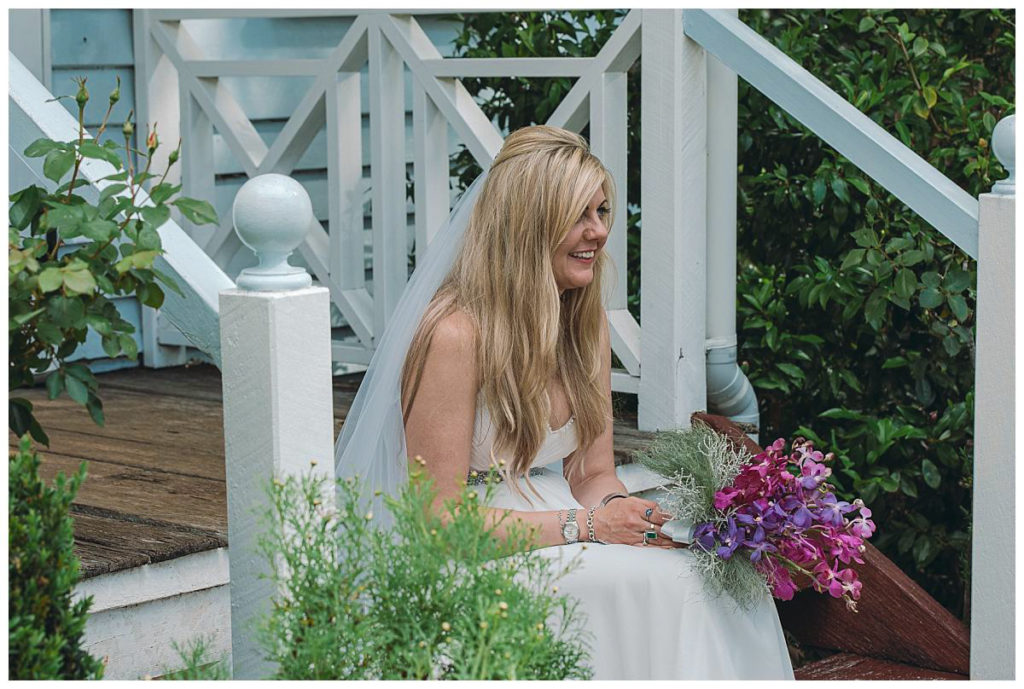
(647,613)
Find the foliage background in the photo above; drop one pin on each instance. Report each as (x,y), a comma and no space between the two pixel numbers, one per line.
(855,318)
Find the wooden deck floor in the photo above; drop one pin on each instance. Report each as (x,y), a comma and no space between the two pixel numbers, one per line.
(155,486)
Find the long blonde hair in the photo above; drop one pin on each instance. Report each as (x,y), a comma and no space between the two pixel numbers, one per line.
(537,188)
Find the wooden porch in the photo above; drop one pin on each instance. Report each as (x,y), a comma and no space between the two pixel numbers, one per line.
(151,531)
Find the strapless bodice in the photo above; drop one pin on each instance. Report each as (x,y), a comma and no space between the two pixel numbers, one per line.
(559,443)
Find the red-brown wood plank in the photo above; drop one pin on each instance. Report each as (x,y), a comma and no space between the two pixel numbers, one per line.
(849,666)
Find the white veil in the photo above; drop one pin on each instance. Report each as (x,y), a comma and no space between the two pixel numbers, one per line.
(371,444)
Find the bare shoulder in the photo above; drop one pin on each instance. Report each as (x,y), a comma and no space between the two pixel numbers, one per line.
(455,335)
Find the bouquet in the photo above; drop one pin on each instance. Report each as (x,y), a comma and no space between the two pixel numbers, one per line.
(766,521)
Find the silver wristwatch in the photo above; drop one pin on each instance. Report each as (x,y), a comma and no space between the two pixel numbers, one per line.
(571,530)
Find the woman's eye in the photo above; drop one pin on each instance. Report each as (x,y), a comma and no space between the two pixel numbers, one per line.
(603,211)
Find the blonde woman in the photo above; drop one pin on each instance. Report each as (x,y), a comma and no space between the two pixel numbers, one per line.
(508,366)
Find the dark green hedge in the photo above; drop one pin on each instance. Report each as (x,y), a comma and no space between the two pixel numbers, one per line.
(855,318)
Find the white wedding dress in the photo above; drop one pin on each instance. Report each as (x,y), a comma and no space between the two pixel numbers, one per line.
(647,613)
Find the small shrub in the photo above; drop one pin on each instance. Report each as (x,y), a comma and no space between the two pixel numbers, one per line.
(430,597)
(45,627)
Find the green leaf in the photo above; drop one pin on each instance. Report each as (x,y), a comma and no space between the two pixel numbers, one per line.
(79,281)
(931,279)
(139,259)
(23,318)
(956,280)
(906,283)
(818,189)
(791,370)
(951,345)
(840,189)
(54,384)
(66,312)
(90,149)
(156,215)
(21,420)
(921,108)
(98,230)
(151,295)
(894,362)
(57,163)
(95,407)
(110,190)
(100,324)
(920,46)
(930,474)
(168,281)
(162,192)
(26,206)
(866,24)
(852,259)
(128,346)
(931,97)
(77,389)
(988,121)
(930,298)
(148,239)
(41,147)
(50,279)
(198,212)
(49,333)
(111,346)
(860,185)
(958,306)
(912,257)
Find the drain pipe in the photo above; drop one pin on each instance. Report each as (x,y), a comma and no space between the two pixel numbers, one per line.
(729,392)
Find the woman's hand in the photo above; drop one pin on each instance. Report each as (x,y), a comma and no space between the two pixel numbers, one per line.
(624,520)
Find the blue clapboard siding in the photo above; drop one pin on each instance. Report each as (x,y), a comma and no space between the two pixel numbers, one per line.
(98,44)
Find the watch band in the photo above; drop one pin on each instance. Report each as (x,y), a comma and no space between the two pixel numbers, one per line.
(571,528)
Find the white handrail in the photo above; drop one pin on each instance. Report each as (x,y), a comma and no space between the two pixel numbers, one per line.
(909,177)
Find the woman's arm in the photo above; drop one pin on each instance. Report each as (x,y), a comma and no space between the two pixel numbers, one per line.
(621,520)
(439,427)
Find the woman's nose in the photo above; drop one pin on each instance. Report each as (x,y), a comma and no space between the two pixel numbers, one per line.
(596,229)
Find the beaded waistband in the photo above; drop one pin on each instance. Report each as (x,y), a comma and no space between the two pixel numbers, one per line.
(478,478)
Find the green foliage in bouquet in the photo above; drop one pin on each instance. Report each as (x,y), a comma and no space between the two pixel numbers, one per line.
(44,626)
(69,256)
(855,317)
(429,597)
(699,462)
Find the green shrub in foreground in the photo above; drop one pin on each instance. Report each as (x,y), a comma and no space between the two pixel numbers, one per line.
(45,627)
(428,597)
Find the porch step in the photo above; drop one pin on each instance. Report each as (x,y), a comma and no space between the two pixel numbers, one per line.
(848,666)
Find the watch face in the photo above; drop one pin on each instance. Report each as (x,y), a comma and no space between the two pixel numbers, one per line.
(571,531)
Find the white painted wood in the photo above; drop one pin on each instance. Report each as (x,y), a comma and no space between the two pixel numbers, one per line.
(277,418)
(994,514)
(721,202)
(200,279)
(1004,145)
(387,144)
(544,67)
(430,169)
(138,585)
(624,332)
(673,245)
(608,141)
(351,354)
(623,381)
(880,155)
(157,92)
(197,177)
(471,125)
(618,54)
(27,38)
(345,180)
(137,642)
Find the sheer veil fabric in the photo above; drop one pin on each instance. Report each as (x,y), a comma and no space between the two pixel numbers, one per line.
(371,445)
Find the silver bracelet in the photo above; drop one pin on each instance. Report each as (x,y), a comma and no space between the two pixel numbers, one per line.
(611,496)
(590,526)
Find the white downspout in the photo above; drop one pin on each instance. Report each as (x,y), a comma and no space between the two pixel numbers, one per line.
(729,392)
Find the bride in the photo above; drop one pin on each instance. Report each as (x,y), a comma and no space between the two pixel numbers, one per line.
(503,350)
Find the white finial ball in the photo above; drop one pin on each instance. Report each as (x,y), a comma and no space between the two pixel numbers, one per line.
(271,214)
(1003,145)
(1003,140)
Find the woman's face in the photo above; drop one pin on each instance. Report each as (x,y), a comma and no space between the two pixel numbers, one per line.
(574,259)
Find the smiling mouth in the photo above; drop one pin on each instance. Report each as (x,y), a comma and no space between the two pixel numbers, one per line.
(583,255)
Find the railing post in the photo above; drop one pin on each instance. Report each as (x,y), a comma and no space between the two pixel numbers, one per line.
(992,552)
(276,372)
(674,239)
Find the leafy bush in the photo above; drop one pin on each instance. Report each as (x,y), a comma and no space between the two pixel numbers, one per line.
(45,627)
(67,257)
(428,597)
(856,319)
